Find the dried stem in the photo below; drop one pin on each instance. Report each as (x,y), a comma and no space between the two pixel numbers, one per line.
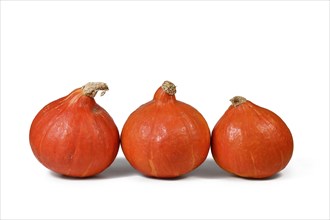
(169,88)
(237,100)
(91,88)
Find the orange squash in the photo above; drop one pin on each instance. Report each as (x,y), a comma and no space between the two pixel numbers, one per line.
(165,138)
(251,141)
(73,135)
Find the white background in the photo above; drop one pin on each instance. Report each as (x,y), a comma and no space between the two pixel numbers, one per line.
(275,53)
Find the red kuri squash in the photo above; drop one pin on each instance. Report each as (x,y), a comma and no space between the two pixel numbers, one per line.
(165,138)
(73,135)
(251,141)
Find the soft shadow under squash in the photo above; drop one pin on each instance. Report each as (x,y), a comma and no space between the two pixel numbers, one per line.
(209,170)
(119,168)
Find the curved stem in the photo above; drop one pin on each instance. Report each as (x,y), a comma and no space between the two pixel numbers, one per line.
(91,88)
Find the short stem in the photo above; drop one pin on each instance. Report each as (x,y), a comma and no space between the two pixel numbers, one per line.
(237,100)
(91,88)
(169,88)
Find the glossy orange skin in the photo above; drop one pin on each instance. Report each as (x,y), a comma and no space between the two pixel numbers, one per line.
(251,141)
(165,138)
(74,136)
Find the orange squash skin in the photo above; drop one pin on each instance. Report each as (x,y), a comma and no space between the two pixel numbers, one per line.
(165,138)
(251,141)
(74,136)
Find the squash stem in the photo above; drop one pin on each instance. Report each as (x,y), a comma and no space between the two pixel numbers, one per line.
(169,88)
(237,100)
(91,88)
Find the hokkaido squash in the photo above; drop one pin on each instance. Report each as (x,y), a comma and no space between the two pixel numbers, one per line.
(251,141)
(165,138)
(73,135)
